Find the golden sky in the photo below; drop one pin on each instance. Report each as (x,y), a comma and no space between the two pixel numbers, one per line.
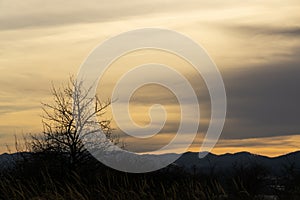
(255,44)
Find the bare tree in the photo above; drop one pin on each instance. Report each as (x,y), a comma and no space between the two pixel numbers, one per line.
(65,119)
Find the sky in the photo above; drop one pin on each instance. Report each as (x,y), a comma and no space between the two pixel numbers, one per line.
(255,44)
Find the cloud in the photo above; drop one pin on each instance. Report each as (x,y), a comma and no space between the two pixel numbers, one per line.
(266,29)
(286,141)
(4,109)
(15,14)
(263,100)
(34,13)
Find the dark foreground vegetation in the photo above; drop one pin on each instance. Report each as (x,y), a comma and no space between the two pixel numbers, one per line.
(49,176)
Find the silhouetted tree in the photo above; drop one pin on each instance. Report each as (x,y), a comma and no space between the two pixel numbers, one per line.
(64,120)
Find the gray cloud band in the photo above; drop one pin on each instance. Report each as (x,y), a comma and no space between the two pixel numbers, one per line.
(100,60)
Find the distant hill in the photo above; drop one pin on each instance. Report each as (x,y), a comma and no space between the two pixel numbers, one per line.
(190,162)
(228,162)
(8,161)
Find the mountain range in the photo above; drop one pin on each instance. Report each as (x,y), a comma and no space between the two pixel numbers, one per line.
(228,162)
